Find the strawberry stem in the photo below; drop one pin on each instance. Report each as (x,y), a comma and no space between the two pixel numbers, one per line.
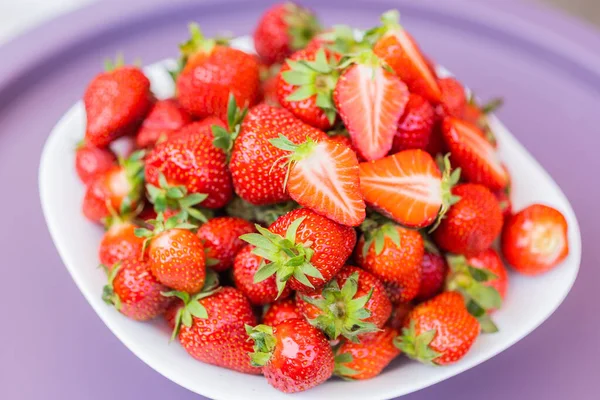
(264,344)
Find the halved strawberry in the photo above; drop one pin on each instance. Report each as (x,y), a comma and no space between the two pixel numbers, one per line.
(370,101)
(323,176)
(408,187)
(473,154)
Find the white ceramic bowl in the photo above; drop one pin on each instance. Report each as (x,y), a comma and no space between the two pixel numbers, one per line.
(529,301)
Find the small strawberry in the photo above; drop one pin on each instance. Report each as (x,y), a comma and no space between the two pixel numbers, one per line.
(91,161)
(370,101)
(164,118)
(535,240)
(280,311)
(303,248)
(119,243)
(454,100)
(134,291)
(221,239)
(433,272)
(116,102)
(415,125)
(294,355)
(367,358)
(353,304)
(283,29)
(472,224)
(437,333)
(324,177)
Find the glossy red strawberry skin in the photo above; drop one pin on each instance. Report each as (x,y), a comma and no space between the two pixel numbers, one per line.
(271,37)
(245,266)
(91,161)
(415,125)
(302,358)
(189,158)
(490,260)
(454,100)
(164,118)
(177,260)
(472,224)
(433,274)
(221,239)
(221,338)
(204,85)
(106,189)
(255,177)
(120,243)
(280,311)
(115,104)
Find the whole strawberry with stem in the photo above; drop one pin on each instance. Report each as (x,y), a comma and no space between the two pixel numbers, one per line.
(440,331)
(280,311)
(353,304)
(433,272)
(91,161)
(134,291)
(301,248)
(120,243)
(176,254)
(211,72)
(294,355)
(283,29)
(221,239)
(116,101)
(415,125)
(164,118)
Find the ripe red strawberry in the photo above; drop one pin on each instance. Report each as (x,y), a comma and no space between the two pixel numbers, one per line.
(303,248)
(472,224)
(211,73)
(91,161)
(305,87)
(400,51)
(221,239)
(473,154)
(255,179)
(366,359)
(393,254)
(116,191)
(433,273)
(120,243)
(437,333)
(453,100)
(116,102)
(324,177)
(294,355)
(353,304)
(505,203)
(176,254)
(134,291)
(399,315)
(164,118)
(211,326)
(408,187)
(370,101)
(415,125)
(535,240)
(280,311)
(283,29)
(490,261)
(190,159)
(245,266)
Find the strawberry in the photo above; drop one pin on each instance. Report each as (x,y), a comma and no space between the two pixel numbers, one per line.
(294,355)
(353,304)
(190,159)
(415,125)
(245,266)
(116,101)
(438,333)
(119,243)
(408,187)
(134,291)
(269,81)
(399,315)
(472,224)
(370,101)
(283,29)
(175,254)
(324,177)
(210,325)
(211,72)
(394,255)
(164,118)
(400,51)
(535,240)
(221,239)
(91,161)
(473,154)
(173,200)
(453,100)
(478,115)
(367,358)
(280,311)
(305,87)
(116,191)
(303,248)
(503,197)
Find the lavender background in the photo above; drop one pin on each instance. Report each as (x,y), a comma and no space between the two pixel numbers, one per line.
(547,67)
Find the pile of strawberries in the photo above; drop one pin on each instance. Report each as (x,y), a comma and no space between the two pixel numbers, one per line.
(317,209)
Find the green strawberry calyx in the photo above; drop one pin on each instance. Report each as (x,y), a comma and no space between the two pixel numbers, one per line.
(376,234)
(225,138)
(390,23)
(418,347)
(341,369)
(296,152)
(450,178)
(342,313)
(166,197)
(302,25)
(282,256)
(266,214)
(159,225)
(133,167)
(264,344)
(108,291)
(341,39)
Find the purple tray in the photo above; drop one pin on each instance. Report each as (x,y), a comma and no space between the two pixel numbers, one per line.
(545,65)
